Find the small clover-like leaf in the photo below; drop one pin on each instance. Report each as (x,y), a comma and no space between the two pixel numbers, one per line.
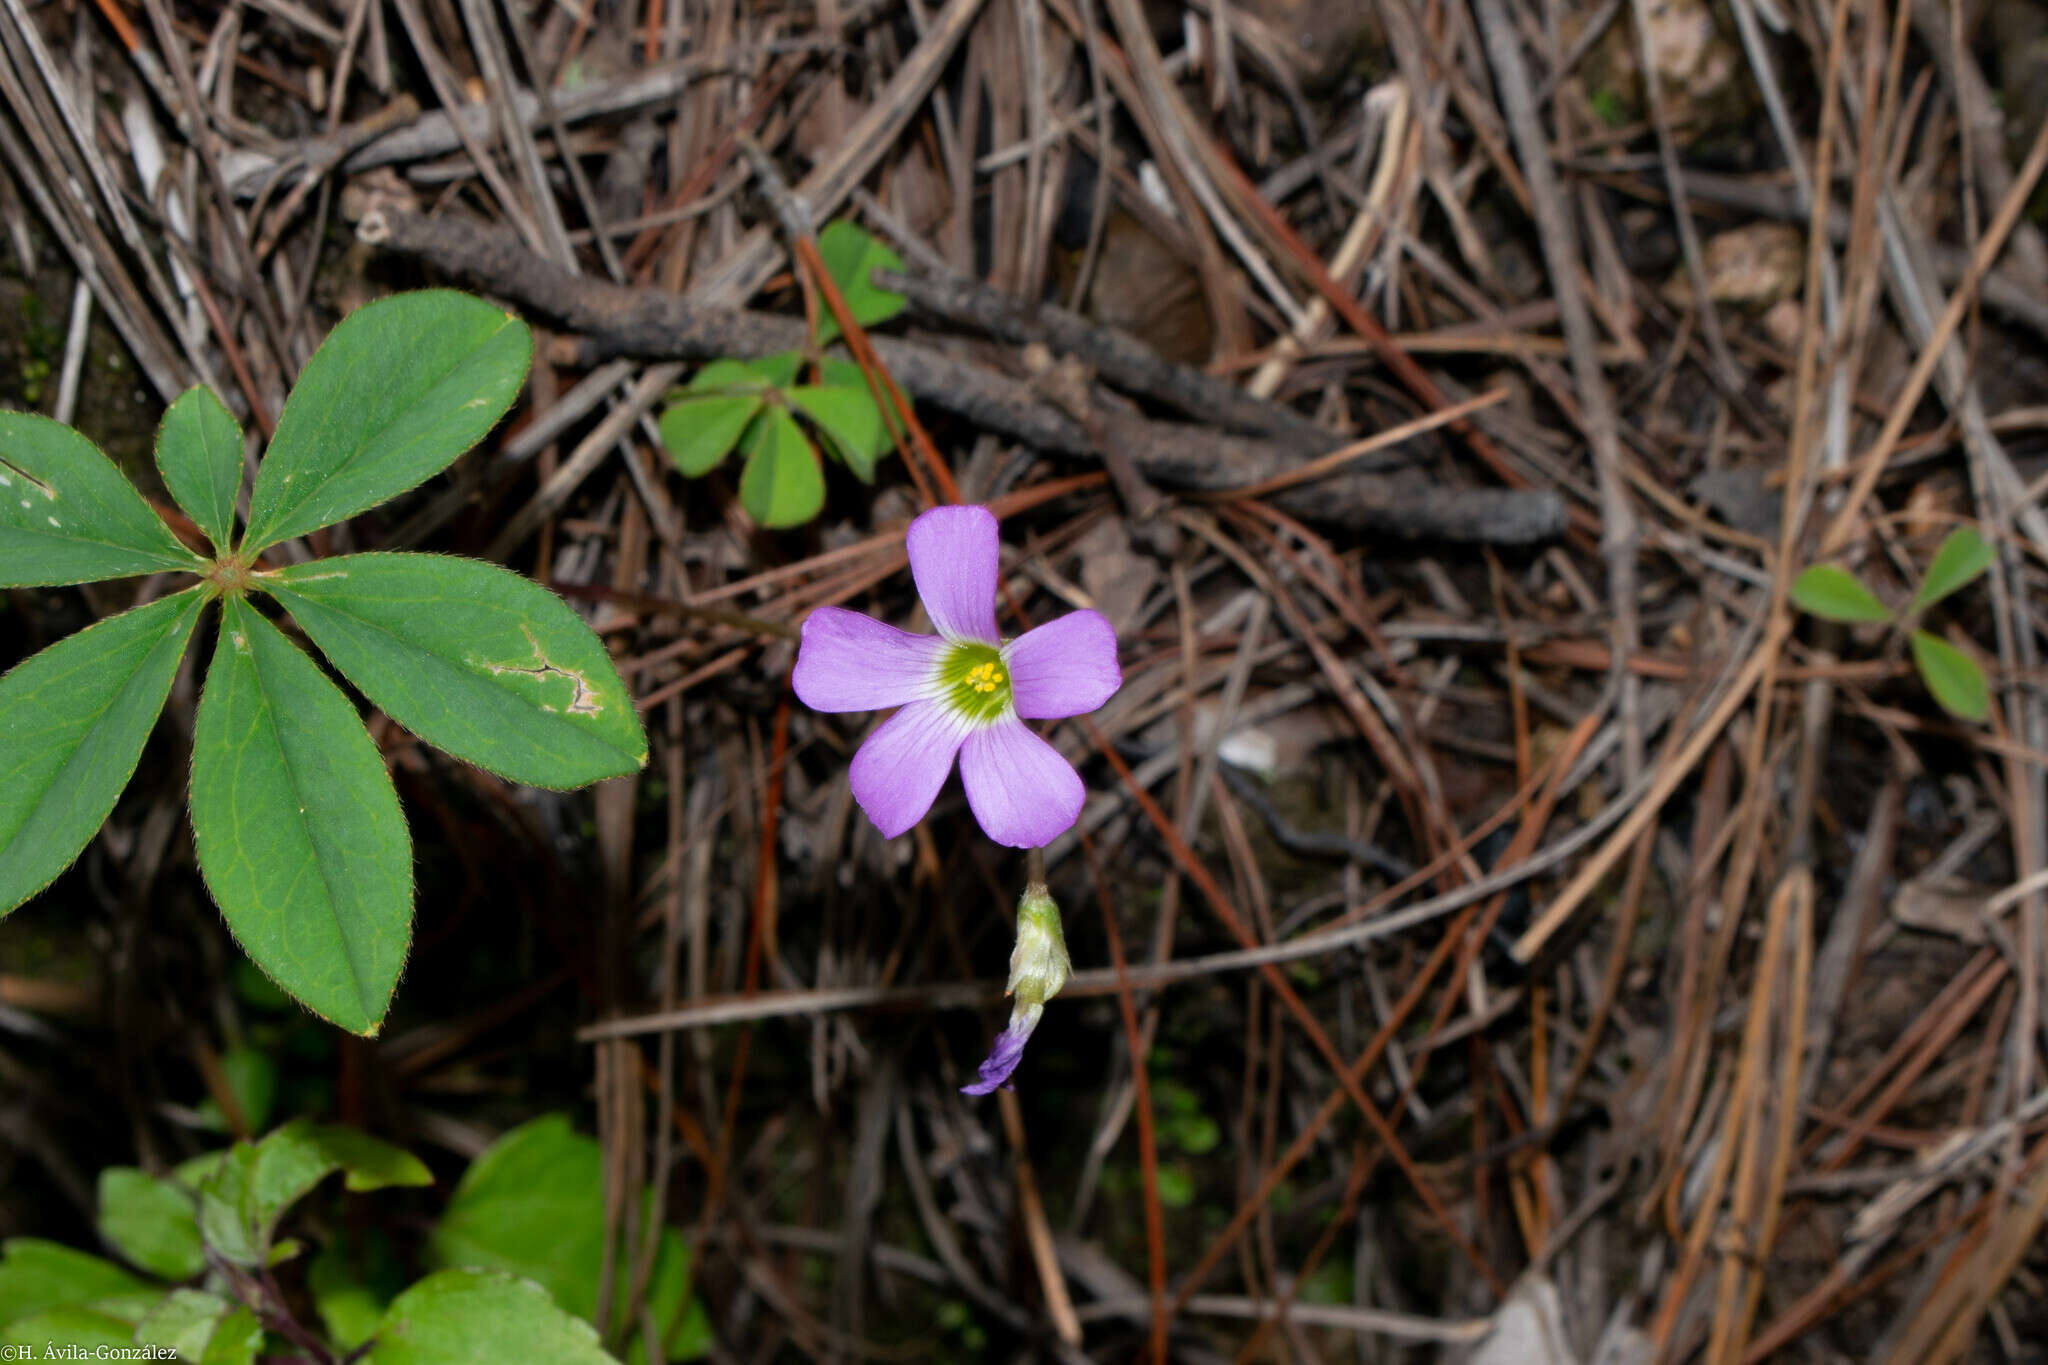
(1962,556)
(73,720)
(1952,676)
(851,255)
(1834,594)
(700,432)
(847,418)
(782,483)
(473,659)
(153,1223)
(68,515)
(199,453)
(399,389)
(297,826)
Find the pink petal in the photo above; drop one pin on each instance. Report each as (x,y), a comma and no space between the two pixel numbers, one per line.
(1064,668)
(848,662)
(953,559)
(901,767)
(1023,793)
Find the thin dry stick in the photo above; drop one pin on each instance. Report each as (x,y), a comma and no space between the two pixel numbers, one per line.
(1557,231)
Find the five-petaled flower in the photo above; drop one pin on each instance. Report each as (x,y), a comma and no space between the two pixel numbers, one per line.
(963,691)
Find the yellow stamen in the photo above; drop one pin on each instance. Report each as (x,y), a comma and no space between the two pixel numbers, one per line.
(984,678)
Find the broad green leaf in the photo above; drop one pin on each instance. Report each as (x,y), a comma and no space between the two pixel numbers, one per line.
(699,432)
(848,418)
(297,826)
(1963,555)
(782,484)
(399,389)
(68,515)
(38,1276)
(153,1223)
(473,659)
(850,254)
(533,1204)
(73,720)
(776,371)
(199,453)
(481,1317)
(202,1328)
(1834,594)
(1952,676)
(82,1325)
(252,1079)
(242,1198)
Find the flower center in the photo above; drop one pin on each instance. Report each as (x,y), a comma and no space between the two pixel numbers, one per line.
(976,683)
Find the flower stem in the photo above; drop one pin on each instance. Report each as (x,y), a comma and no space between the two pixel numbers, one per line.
(1034,868)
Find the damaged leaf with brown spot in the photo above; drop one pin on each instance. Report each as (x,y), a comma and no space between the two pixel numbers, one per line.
(473,659)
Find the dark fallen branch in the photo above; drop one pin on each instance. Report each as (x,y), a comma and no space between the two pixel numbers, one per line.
(655,324)
(1118,357)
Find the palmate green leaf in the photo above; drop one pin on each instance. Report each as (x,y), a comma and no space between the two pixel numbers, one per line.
(850,254)
(297,826)
(848,419)
(533,1204)
(251,1185)
(1952,676)
(153,1223)
(68,515)
(782,483)
(73,720)
(199,453)
(473,659)
(1834,594)
(1963,555)
(481,1317)
(397,391)
(202,1328)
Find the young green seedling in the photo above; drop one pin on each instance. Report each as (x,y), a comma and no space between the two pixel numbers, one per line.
(295,819)
(754,406)
(1953,677)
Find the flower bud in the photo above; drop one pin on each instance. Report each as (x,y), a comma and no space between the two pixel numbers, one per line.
(1038,968)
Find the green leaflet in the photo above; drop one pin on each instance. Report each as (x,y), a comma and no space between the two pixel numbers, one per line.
(847,417)
(153,1223)
(297,826)
(473,659)
(782,484)
(533,1204)
(38,1276)
(850,254)
(394,394)
(203,1328)
(73,720)
(700,432)
(1962,556)
(481,1317)
(1952,676)
(252,1184)
(67,515)
(199,453)
(1834,594)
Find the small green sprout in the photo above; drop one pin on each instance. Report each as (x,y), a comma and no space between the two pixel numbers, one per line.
(1953,677)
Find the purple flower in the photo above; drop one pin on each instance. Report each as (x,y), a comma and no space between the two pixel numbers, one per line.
(962,691)
(1038,968)
(1005,1054)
